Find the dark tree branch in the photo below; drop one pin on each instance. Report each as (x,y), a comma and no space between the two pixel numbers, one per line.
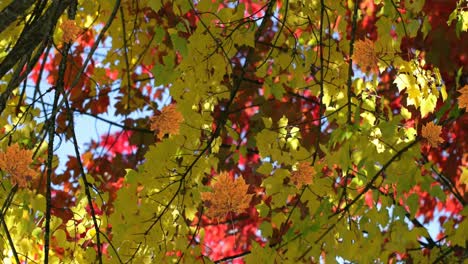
(136,129)
(50,156)
(370,184)
(61,90)
(30,38)
(447,183)
(319,128)
(50,151)
(37,90)
(227,259)
(34,35)
(350,66)
(113,247)
(96,43)
(443,256)
(125,50)
(13,11)
(430,244)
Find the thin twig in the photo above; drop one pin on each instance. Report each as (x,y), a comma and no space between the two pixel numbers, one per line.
(83,176)
(375,177)
(350,66)
(5,207)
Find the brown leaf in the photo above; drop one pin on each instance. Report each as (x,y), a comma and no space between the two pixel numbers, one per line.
(463,98)
(70,30)
(303,175)
(167,122)
(431,133)
(228,195)
(365,56)
(15,162)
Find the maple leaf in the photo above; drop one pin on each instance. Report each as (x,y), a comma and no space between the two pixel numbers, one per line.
(431,133)
(303,175)
(167,122)
(463,98)
(228,195)
(365,56)
(70,30)
(15,162)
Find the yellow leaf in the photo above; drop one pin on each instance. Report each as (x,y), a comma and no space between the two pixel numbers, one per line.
(404,80)
(405,113)
(428,104)
(412,89)
(267,122)
(60,236)
(464,178)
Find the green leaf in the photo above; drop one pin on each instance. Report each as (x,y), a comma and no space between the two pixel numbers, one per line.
(265,168)
(266,229)
(413,203)
(180,44)
(60,236)
(413,27)
(159,34)
(267,122)
(155,4)
(161,74)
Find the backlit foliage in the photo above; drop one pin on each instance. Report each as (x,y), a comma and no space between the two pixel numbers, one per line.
(248,131)
(227,195)
(15,162)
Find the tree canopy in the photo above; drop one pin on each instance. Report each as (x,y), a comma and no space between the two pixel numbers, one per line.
(249,131)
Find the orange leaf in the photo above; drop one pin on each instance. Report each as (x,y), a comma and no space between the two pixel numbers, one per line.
(365,56)
(167,122)
(431,133)
(463,98)
(303,175)
(70,30)
(228,196)
(15,162)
